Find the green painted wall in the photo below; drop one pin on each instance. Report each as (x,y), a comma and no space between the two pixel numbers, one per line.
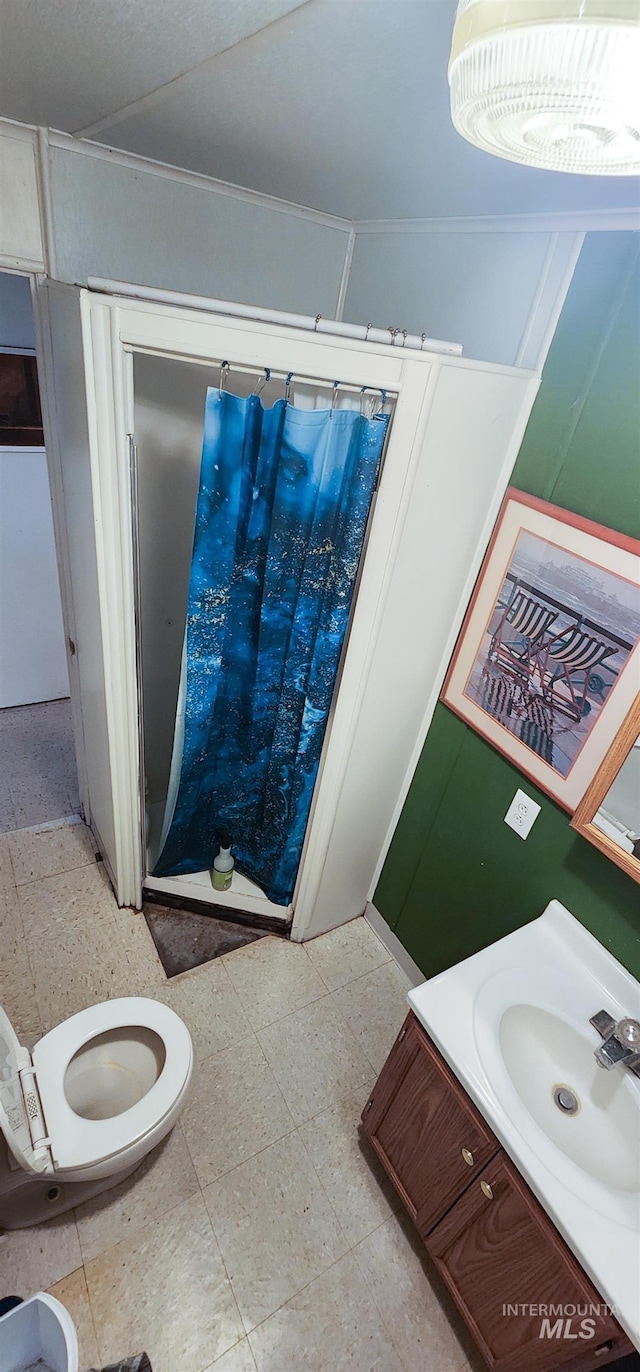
(456,877)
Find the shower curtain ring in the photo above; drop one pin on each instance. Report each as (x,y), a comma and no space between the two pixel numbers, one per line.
(287,388)
(422,338)
(334,396)
(261,382)
(394,334)
(224,372)
(404,337)
(366,332)
(315,327)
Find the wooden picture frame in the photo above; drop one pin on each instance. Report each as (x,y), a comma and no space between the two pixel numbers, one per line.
(584,818)
(548,659)
(20,413)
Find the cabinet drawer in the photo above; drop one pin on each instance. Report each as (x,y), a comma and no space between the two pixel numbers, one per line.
(428,1135)
(497,1249)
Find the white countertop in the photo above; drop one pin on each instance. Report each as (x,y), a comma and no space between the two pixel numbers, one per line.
(555,963)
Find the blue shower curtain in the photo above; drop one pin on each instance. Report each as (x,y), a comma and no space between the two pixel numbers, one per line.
(280,520)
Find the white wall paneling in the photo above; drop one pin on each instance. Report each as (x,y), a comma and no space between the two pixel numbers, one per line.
(33,664)
(480,288)
(20,230)
(121,218)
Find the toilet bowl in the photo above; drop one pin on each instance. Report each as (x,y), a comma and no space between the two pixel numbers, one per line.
(83,1109)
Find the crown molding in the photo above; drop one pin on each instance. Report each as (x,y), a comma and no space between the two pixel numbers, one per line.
(10,128)
(570,221)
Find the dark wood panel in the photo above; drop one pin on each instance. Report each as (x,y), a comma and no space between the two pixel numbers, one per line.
(427,1133)
(501,1250)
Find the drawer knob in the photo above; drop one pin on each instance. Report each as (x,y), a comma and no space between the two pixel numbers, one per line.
(486,1190)
(468,1156)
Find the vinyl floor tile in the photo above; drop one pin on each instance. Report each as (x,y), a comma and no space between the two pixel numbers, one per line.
(76,966)
(53,848)
(332,1324)
(275,1226)
(72,1293)
(351,1174)
(145,975)
(314,1057)
(236,1109)
(165,1290)
(273,978)
(375,1006)
(82,896)
(17,992)
(206,1000)
(164,1179)
(33,1259)
(346,953)
(404,1288)
(7,880)
(238,1359)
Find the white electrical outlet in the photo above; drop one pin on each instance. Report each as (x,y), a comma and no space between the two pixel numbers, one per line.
(522,813)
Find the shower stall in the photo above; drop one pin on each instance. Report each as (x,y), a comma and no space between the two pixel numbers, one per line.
(127,381)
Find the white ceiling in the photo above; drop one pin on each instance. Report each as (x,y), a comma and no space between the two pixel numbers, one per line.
(337,104)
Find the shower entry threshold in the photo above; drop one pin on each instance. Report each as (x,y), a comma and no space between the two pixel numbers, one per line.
(243,897)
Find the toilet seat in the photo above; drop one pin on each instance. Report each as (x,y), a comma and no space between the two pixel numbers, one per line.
(78,1143)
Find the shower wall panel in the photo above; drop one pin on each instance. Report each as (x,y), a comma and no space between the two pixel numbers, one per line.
(169,411)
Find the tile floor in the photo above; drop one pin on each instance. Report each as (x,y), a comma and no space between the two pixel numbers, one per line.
(260,1236)
(38,780)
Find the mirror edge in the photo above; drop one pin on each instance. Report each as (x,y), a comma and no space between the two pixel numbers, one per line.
(582,820)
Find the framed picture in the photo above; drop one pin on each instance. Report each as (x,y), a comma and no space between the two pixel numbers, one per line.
(20,415)
(548,660)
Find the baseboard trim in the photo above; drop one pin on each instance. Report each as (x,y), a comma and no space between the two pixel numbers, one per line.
(393,945)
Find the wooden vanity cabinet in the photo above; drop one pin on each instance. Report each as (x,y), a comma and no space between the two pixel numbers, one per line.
(428,1135)
(490,1239)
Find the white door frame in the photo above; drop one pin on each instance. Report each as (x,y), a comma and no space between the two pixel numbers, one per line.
(113,329)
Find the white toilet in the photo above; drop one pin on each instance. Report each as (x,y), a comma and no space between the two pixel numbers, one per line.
(83,1109)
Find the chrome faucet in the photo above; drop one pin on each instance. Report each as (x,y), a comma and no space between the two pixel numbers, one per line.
(621,1042)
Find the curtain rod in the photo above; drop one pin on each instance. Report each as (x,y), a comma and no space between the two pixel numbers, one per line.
(397,338)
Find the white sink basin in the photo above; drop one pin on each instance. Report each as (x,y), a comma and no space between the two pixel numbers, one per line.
(590,1114)
(513,1024)
(532,1034)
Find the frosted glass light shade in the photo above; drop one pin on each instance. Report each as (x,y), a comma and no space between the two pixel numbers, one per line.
(552,83)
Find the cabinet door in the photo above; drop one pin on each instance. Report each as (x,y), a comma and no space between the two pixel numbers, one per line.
(428,1135)
(497,1249)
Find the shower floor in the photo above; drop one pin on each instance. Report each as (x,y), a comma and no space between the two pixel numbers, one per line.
(185,939)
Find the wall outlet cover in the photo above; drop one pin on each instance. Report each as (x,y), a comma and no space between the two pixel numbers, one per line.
(522,813)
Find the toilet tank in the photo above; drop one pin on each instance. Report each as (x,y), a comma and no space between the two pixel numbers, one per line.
(38,1334)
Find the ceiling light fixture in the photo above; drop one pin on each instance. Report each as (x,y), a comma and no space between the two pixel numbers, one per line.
(552,83)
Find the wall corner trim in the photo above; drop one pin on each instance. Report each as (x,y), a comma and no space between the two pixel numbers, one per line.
(346,272)
(392,943)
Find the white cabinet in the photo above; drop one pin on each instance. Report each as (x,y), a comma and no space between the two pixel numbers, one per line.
(455,432)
